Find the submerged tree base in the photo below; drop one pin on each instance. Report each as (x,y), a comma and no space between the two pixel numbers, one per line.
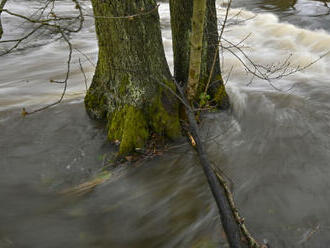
(127,88)
(132,88)
(133,124)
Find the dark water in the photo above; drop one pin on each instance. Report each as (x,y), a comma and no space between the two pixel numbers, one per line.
(273,144)
(311,14)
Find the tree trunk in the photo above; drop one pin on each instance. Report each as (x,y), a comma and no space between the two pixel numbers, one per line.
(128,85)
(181,11)
(196,44)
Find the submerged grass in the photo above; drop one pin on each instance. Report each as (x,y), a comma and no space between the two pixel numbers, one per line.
(88,186)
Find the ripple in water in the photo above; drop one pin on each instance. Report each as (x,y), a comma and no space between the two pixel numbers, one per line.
(274,145)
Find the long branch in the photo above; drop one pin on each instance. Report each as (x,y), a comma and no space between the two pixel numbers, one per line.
(2,5)
(227,218)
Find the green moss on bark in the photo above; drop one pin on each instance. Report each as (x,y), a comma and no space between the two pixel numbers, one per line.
(125,90)
(95,104)
(221,97)
(122,89)
(181,11)
(132,125)
(165,121)
(128,125)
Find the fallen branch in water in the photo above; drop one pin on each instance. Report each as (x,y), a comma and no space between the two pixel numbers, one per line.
(227,218)
(239,220)
(231,220)
(86,187)
(308,235)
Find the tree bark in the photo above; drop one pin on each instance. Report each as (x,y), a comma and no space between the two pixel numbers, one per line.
(181,11)
(196,44)
(127,88)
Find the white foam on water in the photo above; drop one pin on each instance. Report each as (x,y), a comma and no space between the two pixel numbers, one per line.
(269,42)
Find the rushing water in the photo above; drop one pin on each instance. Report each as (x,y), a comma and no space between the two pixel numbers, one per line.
(274,144)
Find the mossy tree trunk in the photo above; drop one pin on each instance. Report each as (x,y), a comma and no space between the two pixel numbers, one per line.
(127,88)
(181,11)
(196,44)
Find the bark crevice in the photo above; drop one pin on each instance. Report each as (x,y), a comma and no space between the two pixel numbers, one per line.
(181,11)
(126,88)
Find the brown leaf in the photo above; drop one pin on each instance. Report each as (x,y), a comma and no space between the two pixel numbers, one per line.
(129,158)
(24,113)
(193,142)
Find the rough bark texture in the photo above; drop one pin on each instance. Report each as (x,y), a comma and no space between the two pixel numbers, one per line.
(127,86)
(1,29)
(196,44)
(181,11)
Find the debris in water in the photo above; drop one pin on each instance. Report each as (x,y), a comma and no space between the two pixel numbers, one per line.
(309,233)
(88,186)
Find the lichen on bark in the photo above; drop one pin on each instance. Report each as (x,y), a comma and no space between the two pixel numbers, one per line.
(127,89)
(181,11)
(129,125)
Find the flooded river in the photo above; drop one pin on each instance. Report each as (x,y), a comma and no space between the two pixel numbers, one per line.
(274,143)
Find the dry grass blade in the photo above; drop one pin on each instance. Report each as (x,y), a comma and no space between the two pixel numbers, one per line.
(88,186)
(308,234)
(192,140)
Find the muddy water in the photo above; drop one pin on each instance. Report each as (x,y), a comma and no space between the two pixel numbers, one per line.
(274,144)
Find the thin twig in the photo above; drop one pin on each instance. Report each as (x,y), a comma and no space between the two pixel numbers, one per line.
(216,53)
(129,17)
(65,81)
(2,5)
(85,55)
(83,72)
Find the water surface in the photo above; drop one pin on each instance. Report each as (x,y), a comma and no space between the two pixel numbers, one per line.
(273,144)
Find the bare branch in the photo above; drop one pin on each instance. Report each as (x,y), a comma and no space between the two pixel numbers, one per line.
(18,41)
(129,17)
(267,72)
(65,81)
(88,59)
(217,49)
(83,72)
(2,5)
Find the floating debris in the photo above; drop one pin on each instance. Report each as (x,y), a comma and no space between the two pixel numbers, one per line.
(88,186)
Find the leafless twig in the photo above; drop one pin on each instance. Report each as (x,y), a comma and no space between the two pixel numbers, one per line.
(83,72)
(217,49)
(2,5)
(65,81)
(129,17)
